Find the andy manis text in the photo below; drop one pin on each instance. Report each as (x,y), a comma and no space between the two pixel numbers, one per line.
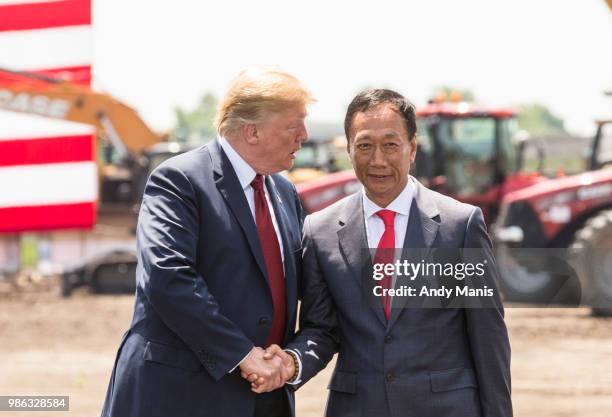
(405,291)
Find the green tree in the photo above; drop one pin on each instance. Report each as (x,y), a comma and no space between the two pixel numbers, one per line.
(538,120)
(196,125)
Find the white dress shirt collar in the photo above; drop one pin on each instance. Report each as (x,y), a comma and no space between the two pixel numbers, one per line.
(243,170)
(400,205)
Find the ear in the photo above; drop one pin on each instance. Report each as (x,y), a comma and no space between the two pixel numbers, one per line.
(413,149)
(348,144)
(250,133)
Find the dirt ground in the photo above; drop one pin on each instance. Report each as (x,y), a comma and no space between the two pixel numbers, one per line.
(561,358)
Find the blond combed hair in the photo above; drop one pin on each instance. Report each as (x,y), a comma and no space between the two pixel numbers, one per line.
(255,93)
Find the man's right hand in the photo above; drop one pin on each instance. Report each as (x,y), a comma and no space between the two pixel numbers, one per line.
(288,370)
(265,374)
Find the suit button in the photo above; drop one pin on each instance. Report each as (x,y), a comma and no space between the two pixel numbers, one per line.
(388,338)
(390,377)
(264,321)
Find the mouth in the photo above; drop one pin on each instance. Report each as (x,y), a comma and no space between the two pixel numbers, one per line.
(378,177)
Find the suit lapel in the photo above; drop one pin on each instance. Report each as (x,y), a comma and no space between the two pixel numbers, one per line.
(420,235)
(283,221)
(228,185)
(354,244)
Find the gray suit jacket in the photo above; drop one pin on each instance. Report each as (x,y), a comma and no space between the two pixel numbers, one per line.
(428,362)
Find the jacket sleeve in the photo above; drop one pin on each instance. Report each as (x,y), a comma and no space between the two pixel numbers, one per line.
(317,339)
(167,240)
(487,331)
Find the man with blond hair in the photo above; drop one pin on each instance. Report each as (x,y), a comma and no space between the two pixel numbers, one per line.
(218,258)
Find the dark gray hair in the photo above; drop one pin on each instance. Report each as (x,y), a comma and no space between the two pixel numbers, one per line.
(374,96)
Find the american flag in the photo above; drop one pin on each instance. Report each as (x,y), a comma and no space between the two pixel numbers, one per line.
(48,173)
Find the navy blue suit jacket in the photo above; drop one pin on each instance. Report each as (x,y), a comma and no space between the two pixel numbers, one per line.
(202,297)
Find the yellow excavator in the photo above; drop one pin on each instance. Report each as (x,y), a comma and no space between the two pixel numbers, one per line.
(42,95)
(134,151)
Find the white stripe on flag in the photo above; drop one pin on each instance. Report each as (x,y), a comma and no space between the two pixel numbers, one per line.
(23,126)
(46,48)
(33,185)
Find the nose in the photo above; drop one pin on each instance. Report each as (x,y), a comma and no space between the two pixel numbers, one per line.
(378,158)
(303,137)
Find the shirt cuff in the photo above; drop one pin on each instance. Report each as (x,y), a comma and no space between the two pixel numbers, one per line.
(298,378)
(239,363)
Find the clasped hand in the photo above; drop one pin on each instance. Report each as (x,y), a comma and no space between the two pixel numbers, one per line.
(268,369)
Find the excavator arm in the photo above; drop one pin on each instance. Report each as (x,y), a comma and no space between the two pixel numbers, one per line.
(41,95)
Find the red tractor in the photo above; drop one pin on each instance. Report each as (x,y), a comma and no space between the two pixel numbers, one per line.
(565,219)
(466,151)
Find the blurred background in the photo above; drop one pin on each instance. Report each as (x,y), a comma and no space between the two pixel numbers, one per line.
(514,106)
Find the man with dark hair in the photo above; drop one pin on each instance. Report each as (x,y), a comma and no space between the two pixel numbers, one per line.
(394,361)
(373,97)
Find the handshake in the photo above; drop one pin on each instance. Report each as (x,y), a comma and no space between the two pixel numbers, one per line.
(268,369)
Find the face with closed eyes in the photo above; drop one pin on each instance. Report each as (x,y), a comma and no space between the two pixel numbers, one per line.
(381,152)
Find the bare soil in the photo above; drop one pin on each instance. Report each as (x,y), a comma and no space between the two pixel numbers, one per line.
(561,358)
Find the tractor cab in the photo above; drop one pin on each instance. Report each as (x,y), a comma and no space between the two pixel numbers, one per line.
(470,153)
(601,151)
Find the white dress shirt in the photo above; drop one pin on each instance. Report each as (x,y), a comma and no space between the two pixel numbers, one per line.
(374,225)
(246,175)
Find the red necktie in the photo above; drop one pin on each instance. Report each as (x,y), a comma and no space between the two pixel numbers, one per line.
(274,262)
(385,253)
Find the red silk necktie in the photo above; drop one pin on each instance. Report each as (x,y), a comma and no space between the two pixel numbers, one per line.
(385,253)
(274,262)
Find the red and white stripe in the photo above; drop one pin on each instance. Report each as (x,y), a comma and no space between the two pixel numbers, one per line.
(48,173)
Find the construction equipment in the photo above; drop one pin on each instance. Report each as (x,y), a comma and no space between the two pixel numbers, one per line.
(572,218)
(131,152)
(315,159)
(129,139)
(31,93)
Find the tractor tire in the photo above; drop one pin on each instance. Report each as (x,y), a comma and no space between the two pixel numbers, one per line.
(520,283)
(592,256)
